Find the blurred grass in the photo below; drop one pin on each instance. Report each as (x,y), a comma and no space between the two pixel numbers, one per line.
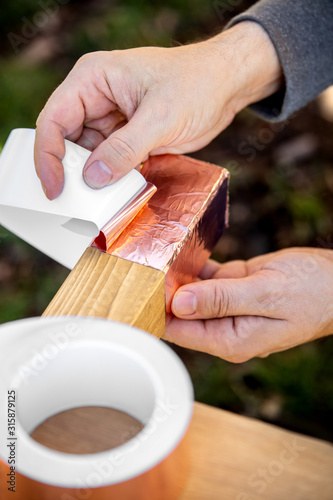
(28,278)
(24,90)
(273,205)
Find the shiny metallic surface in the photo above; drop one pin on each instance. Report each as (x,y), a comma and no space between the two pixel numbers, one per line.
(110,232)
(165,481)
(177,229)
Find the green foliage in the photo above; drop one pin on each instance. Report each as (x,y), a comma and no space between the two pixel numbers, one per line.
(142,23)
(12,14)
(28,279)
(24,90)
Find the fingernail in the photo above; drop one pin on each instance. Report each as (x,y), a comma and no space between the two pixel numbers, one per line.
(98,175)
(184,304)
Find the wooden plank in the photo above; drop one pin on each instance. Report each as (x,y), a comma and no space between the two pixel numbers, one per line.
(105,286)
(238,458)
(232,457)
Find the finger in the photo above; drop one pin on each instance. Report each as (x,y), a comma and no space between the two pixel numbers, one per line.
(49,151)
(124,149)
(232,269)
(90,139)
(106,124)
(73,103)
(235,340)
(62,117)
(260,294)
(209,269)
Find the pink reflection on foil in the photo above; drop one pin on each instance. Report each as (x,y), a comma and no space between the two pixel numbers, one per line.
(110,232)
(177,229)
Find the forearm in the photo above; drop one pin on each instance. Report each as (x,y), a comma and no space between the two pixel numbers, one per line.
(255,69)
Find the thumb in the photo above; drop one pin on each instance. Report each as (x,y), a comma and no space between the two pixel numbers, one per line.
(123,150)
(217,298)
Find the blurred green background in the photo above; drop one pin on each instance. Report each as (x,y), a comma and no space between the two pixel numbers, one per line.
(282,197)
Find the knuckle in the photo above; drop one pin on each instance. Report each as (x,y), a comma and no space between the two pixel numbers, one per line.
(239,352)
(222,300)
(91,62)
(275,300)
(219,344)
(239,357)
(224,341)
(88,58)
(230,353)
(121,150)
(242,329)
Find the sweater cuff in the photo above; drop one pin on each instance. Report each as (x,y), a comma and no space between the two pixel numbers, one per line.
(301,32)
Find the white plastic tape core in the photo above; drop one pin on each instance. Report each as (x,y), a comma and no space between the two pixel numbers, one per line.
(55,364)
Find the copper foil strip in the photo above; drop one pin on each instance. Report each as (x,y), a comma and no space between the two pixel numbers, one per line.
(110,232)
(177,229)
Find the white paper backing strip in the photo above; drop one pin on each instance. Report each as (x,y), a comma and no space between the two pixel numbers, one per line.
(62,228)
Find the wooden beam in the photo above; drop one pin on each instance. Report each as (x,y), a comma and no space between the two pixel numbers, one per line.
(240,458)
(108,287)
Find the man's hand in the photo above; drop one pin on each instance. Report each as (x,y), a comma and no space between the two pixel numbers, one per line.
(243,309)
(125,105)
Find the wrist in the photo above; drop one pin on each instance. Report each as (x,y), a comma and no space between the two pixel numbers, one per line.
(252,60)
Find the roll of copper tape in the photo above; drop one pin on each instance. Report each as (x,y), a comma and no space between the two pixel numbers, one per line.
(67,362)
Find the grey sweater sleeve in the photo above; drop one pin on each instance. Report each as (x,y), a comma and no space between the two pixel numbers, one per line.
(302,33)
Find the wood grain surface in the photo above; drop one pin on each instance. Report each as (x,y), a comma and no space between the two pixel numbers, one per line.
(63,432)
(240,458)
(105,286)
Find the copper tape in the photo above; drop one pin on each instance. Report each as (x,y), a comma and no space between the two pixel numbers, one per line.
(114,227)
(178,228)
(165,481)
